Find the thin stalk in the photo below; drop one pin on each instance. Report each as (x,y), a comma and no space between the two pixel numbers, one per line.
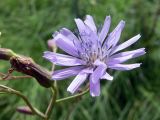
(72,97)
(2,75)
(51,103)
(12,91)
(53,89)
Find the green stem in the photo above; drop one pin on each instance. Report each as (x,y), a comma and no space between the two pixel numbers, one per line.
(12,91)
(72,97)
(51,103)
(54,91)
(36,111)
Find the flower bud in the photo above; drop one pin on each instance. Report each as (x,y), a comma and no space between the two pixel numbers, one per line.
(25,110)
(52,45)
(5,54)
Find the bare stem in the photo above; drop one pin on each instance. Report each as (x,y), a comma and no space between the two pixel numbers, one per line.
(10,71)
(5,89)
(54,90)
(51,103)
(2,75)
(73,97)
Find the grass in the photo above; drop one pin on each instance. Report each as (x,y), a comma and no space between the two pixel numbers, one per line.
(27,25)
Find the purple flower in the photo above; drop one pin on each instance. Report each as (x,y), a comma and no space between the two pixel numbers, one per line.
(91,52)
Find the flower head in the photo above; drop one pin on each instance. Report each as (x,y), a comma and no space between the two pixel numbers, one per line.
(90,53)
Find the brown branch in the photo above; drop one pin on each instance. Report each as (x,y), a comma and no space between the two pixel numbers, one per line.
(8,74)
(6,54)
(27,66)
(18,77)
(2,75)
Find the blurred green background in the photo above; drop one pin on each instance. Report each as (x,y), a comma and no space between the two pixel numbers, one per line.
(26,25)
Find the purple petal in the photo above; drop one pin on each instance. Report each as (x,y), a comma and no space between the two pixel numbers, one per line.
(85,32)
(114,36)
(98,62)
(82,28)
(88,70)
(94,88)
(72,37)
(124,66)
(68,34)
(98,73)
(66,44)
(105,29)
(126,44)
(79,79)
(55,34)
(63,60)
(90,23)
(107,76)
(124,56)
(67,72)
(87,35)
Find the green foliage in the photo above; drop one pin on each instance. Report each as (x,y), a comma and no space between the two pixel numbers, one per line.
(26,25)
